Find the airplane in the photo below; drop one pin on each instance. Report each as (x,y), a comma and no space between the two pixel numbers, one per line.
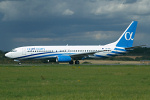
(73,54)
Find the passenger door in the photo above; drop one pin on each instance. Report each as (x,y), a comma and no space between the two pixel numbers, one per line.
(24,51)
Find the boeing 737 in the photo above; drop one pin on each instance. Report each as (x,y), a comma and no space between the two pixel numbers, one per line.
(75,53)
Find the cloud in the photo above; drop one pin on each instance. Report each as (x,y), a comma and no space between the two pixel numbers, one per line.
(119,7)
(112,8)
(100,35)
(52,22)
(31,9)
(32,40)
(68,12)
(131,1)
(37,9)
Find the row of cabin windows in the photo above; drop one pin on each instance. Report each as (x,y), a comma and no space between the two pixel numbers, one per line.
(69,51)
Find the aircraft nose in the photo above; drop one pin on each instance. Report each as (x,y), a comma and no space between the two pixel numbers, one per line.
(8,55)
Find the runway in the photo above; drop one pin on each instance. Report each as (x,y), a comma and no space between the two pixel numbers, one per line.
(111,62)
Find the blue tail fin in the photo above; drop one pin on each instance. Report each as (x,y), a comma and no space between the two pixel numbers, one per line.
(126,39)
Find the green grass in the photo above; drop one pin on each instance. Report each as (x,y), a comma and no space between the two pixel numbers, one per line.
(83,82)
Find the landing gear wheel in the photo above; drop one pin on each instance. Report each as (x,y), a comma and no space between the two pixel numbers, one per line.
(77,62)
(19,63)
(71,62)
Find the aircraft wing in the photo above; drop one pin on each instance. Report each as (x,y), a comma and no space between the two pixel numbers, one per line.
(82,55)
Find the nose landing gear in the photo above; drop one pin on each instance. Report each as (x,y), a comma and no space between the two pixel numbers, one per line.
(16,60)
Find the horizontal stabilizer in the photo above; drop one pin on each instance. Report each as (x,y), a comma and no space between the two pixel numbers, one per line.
(131,48)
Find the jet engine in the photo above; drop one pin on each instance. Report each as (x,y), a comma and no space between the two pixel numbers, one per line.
(63,59)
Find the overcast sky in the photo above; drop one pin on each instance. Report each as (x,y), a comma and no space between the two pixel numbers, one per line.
(73,22)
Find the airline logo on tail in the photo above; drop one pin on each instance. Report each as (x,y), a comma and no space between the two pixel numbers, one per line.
(128,36)
(126,40)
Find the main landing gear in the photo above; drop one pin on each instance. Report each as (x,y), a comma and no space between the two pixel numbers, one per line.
(19,63)
(76,62)
(71,62)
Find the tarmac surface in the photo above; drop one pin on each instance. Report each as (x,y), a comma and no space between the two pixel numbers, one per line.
(110,62)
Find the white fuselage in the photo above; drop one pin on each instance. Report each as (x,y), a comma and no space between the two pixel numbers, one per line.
(45,52)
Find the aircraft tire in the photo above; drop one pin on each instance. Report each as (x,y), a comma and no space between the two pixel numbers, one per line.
(77,62)
(19,63)
(71,62)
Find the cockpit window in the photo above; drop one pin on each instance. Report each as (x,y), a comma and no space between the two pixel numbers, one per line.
(13,50)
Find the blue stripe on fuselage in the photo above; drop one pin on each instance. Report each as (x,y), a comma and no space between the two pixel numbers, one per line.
(119,49)
(32,55)
(117,52)
(99,56)
(41,55)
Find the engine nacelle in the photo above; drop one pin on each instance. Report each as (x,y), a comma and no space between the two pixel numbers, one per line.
(63,59)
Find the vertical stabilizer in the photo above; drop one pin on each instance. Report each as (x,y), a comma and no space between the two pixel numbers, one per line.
(126,39)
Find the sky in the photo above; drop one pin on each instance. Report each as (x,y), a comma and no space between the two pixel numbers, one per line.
(72,22)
